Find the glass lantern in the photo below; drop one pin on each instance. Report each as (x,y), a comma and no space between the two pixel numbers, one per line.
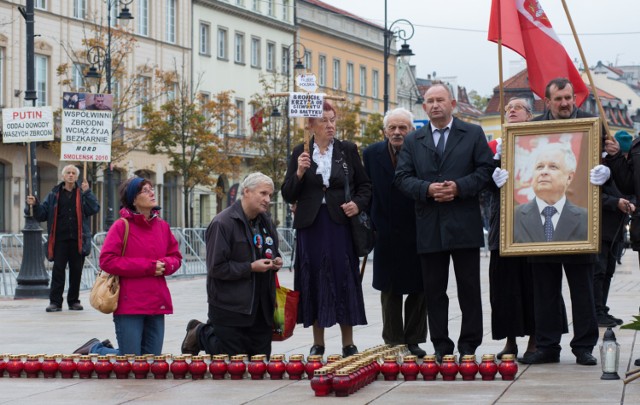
(609,356)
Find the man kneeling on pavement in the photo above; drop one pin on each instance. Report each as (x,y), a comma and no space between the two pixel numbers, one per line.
(242,258)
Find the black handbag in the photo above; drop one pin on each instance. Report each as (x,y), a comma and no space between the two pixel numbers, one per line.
(361,227)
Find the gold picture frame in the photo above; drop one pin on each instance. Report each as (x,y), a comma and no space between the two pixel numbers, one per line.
(531,152)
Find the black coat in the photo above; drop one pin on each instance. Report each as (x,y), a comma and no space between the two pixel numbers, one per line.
(307,192)
(396,264)
(468,161)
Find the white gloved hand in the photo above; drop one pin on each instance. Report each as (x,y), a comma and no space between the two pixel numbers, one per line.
(599,175)
(498,149)
(500,176)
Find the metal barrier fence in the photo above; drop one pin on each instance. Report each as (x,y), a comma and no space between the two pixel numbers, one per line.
(190,240)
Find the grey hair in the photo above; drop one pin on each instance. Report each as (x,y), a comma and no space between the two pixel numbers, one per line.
(64,169)
(569,156)
(252,181)
(403,112)
(525,101)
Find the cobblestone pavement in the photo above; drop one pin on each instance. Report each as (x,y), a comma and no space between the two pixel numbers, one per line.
(27,328)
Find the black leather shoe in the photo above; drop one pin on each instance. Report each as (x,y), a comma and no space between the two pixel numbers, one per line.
(539,357)
(107,343)
(316,350)
(503,352)
(190,344)
(53,308)
(585,359)
(416,351)
(637,363)
(606,322)
(76,307)
(349,351)
(85,348)
(439,355)
(618,321)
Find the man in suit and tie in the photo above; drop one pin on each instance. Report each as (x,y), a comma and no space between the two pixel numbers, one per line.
(396,264)
(443,166)
(550,216)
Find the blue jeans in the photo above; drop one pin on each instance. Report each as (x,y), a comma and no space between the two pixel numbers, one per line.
(136,334)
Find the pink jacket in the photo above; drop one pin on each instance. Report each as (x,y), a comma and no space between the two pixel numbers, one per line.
(141,292)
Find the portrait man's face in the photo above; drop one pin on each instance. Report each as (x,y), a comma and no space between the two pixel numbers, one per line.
(562,102)
(551,176)
(256,200)
(99,101)
(398,126)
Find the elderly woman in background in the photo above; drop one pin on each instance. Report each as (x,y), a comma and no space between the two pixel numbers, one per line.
(326,266)
(151,253)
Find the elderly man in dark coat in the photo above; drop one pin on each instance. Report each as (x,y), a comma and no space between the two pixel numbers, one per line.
(442,167)
(396,264)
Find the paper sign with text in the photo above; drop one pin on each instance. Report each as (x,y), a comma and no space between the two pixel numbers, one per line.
(305,105)
(27,124)
(86,127)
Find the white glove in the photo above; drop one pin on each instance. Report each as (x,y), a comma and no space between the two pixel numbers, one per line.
(498,149)
(599,175)
(500,176)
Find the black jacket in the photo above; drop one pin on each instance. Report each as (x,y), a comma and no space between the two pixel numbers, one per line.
(230,252)
(307,192)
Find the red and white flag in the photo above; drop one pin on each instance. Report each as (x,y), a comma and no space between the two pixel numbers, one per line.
(524,28)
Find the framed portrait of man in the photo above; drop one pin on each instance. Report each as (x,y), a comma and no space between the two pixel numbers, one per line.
(548,205)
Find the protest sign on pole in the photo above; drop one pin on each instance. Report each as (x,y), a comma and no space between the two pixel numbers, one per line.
(27,124)
(86,127)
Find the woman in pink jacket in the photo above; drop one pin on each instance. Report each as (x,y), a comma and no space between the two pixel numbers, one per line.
(151,253)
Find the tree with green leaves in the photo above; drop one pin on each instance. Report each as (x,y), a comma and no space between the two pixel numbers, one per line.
(193,133)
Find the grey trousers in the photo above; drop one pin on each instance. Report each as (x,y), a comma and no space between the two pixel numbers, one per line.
(410,329)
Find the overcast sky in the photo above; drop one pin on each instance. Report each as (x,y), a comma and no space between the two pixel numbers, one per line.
(451,35)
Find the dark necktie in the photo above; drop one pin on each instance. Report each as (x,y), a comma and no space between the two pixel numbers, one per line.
(441,141)
(548,212)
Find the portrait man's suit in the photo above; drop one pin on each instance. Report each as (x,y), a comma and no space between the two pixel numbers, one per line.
(449,230)
(528,226)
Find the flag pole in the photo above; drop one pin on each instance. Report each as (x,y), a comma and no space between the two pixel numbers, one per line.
(500,73)
(603,116)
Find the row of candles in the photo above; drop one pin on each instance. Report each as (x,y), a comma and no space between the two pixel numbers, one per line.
(346,376)
(374,361)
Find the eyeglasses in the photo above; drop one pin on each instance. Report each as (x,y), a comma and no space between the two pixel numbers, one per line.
(517,107)
(401,128)
(148,190)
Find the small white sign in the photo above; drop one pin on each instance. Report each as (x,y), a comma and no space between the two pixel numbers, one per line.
(27,124)
(85,152)
(305,104)
(307,82)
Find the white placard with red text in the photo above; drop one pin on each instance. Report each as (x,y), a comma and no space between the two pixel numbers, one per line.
(27,124)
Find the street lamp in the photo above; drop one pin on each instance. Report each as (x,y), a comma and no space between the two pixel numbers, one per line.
(299,51)
(390,33)
(101,57)
(33,281)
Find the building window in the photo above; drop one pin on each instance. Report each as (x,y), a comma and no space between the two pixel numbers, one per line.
(2,85)
(142,93)
(205,47)
(285,10)
(172,91)
(286,60)
(77,77)
(256,6)
(350,77)
(271,56)
(79,9)
(170,198)
(336,74)
(240,3)
(238,48)
(307,60)
(375,83)
(222,43)
(322,70)
(171,21)
(363,80)
(41,4)
(240,117)
(271,8)
(255,52)
(42,79)
(143,17)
